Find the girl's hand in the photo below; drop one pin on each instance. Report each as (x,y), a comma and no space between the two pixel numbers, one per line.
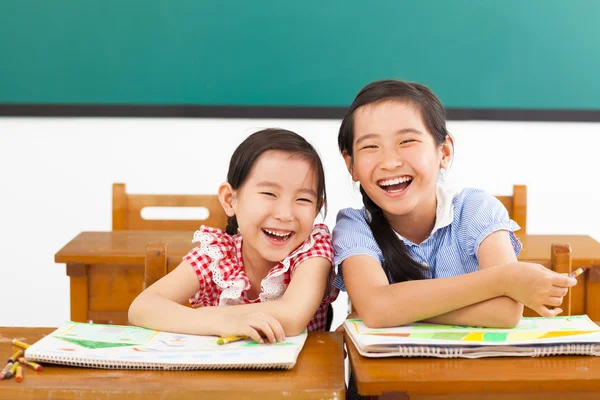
(255,325)
(537,287)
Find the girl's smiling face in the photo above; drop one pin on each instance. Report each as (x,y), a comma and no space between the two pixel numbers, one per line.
(395,158)
(275,207)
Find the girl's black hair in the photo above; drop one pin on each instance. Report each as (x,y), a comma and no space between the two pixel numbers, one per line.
(397,260)
(250,150)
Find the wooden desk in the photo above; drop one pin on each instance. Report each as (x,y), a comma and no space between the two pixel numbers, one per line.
(501,378)
(106,269)
(318,374)
(585,250)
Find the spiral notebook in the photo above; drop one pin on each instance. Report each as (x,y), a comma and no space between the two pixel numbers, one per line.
(533,337)
(129,347)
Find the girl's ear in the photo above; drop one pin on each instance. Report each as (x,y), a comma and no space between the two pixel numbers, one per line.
(227,198)
(349,165)
(446,152)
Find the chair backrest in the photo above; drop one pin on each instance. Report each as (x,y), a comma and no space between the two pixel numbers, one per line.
(127,208)
(517,206)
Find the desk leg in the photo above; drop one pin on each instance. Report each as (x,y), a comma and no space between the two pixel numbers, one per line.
(78,274)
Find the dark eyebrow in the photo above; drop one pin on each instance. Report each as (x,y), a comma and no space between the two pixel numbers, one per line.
(277,186)
(400,132)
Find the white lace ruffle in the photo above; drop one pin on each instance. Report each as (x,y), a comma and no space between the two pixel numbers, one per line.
(231,289)
(273,286)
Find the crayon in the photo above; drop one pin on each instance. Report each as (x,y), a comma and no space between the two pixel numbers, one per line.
(12,370)
(31,364)
(15,356)
(19,375)
(5,370)
(18,343)
(577,272)
(230,339)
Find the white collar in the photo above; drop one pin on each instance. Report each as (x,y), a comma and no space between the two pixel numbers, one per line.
(444,213)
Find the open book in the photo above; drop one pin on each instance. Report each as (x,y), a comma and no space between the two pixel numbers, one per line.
(129,347)
(533,337)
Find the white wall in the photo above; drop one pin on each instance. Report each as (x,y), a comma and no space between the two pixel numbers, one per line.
(56,177)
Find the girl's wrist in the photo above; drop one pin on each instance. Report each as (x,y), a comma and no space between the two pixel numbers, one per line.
(506,275)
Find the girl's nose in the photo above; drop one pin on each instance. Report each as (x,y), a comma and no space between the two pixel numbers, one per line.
(391,160)
(283,212)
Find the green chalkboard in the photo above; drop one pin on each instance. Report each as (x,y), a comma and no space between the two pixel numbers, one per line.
(489,54)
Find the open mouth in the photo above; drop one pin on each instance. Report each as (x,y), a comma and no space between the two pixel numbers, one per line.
(395,185)
(278,235)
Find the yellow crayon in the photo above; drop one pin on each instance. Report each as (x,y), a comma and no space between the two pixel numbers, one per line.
(577,272)
(5,370)
(12,370)
(20,344)
(19,375)
(31,364)
(15,356)
(230,339)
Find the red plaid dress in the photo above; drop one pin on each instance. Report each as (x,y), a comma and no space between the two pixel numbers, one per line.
(220,270)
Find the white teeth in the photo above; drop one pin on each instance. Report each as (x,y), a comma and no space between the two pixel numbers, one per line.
(280,234)
(396,181)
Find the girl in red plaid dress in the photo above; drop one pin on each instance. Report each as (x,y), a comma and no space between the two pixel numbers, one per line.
(272,267)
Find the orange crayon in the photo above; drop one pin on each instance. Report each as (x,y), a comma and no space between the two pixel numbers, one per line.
(5,370)
(31,364)
(18,343)
(19,375)
(16,356)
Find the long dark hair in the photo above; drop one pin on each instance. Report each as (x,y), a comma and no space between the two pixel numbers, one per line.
(249,150)
(397,261)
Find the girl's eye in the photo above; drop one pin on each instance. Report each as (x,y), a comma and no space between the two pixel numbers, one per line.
(268,194)
(305,200)
(407,141)
(370,146)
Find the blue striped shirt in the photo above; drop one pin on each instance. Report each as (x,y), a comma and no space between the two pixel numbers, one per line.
(462,222)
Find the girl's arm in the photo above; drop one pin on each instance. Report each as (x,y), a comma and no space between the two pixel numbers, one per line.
(499,312)
(299,303)
(382,305)
(161,305)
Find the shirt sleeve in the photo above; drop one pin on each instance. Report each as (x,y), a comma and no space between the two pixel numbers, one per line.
(352,236)
(321,247)
(481,215)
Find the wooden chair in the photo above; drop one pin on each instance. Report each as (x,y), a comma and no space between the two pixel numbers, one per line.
(127,208)
(517,206)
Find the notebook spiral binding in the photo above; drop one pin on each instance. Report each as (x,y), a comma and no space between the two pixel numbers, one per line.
(421,351)
(152,366)
(570,349)
(582,349)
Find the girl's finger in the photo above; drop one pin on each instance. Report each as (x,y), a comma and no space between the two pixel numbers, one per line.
(554,301)
(563,281)
(278,330)
(253,333)
(266,330)
(556,291)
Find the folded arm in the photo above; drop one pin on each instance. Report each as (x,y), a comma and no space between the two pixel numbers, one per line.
(471,299)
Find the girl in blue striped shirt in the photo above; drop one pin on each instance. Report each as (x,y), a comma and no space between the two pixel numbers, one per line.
(416,252)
